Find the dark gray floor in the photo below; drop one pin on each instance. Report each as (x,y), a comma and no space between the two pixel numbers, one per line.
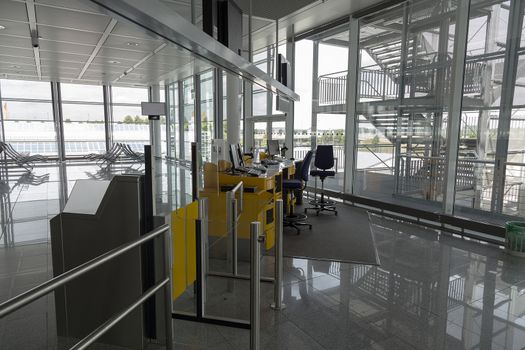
(345,237)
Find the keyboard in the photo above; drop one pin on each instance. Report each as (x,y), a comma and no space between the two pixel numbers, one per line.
(269,162)
(250,171)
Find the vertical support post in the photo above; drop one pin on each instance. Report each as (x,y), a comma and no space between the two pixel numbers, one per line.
(195,176)
(58,120)
(202,247)
(401,95)
(278,283)
(231,226)
(255,285)
(108,116)
(289,128)
(182,152)
(218,103)
(352,119)
(456,99)
(168,307)
(315,94)
(510,69)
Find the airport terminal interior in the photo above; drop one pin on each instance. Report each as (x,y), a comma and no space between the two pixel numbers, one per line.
(243,174)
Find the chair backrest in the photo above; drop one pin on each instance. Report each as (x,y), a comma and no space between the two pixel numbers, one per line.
(324,157)
(305,167)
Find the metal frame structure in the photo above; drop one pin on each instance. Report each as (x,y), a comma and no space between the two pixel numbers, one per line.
(446,166)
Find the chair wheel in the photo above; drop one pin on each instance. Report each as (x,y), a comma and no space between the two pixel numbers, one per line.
(310,227)
(335,213)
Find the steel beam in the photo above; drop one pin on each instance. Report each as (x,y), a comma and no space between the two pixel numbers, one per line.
(157,18)
(455,104)
(315,93)
(510,66)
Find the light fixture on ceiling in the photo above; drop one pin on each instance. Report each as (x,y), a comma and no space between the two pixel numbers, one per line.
(15,66)
(114,62)
(132,43)
(2,27)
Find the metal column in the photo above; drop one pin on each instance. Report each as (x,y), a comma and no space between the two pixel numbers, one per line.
(108,116)
(510,68)
(289,125)
(315,94)
(278,265)
(255,285)
(455,104)
(352,118)
(58,119)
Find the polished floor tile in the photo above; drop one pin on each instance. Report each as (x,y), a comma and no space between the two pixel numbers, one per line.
(431,291)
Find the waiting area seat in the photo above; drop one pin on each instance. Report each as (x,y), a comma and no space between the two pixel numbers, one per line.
(324,161)
(119,151)
(293,219)
(23,160)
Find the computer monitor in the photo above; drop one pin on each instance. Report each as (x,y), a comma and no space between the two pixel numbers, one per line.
(273,148)
(239,153)
(234,156)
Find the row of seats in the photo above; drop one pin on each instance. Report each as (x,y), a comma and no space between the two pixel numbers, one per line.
(324,161)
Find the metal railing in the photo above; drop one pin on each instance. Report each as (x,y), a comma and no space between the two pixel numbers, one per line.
(384,83)
(232,220)
(45,288)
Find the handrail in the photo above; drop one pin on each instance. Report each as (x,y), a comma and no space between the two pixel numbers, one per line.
(239,186)
(47,287)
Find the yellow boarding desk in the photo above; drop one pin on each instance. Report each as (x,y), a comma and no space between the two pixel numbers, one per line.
(259,197)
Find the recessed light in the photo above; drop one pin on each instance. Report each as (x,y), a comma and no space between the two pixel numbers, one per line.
(114,62)
(2,27)
(14,66)
(132,43)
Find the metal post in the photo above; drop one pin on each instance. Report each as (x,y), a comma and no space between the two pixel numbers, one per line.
(455,105)
(167,290)
(231,227)
(255,285)
(278,283)
(203,247)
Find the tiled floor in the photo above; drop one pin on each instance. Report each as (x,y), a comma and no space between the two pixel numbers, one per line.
(432,291)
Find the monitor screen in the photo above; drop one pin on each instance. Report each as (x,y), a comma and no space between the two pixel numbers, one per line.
(273,147)
(239,153)
(234,156)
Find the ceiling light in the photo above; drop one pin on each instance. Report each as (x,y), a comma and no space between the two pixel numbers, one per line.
(2,27)
(15,66)
(132,43)
(114,62)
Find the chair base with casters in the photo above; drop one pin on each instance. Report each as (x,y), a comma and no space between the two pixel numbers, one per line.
(322,204)
(292,219)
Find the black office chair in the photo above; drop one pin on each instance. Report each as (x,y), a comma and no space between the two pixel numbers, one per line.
(293,219)
(324,160)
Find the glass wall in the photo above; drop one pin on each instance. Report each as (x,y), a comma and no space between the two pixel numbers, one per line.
(129,126)
(27,113)
(404,82)
(84,122)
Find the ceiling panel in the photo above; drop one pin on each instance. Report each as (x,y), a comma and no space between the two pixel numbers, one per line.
(59,56)
(61,47)
(15,28)
(77,5)
(129,31)
(67,35)
(66,64)
(120,55)
(126,43)
(16,51)
(71,19)
(14,41)
(14,11)
(16,59)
